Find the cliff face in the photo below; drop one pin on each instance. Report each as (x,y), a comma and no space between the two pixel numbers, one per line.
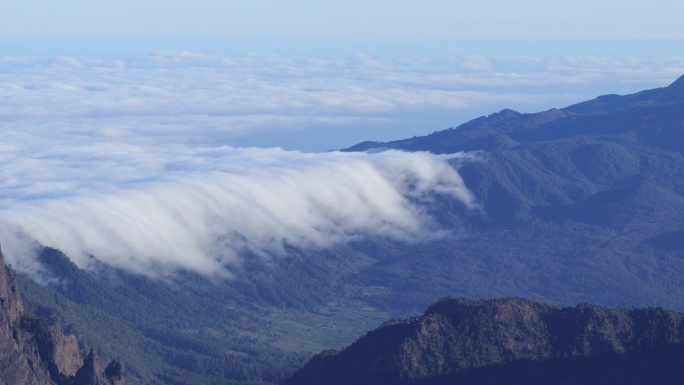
(35,351)
(11,305)
(90,373)
(17,357)
(491,342)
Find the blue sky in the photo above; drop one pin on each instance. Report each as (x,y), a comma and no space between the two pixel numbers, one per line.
(426,19)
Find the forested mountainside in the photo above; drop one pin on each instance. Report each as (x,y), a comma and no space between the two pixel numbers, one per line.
(35,351)
(583,203)
(511,341)
(579,204)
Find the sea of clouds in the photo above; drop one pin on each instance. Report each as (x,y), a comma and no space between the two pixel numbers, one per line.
(135,161)
(323,104)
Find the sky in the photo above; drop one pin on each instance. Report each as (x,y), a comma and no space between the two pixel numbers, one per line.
(166,135)
(427,19)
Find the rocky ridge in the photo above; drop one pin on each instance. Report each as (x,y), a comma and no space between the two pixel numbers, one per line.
(513,340)
(35,351)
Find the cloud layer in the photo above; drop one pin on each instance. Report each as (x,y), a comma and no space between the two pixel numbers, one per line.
(230,99)
(156,209)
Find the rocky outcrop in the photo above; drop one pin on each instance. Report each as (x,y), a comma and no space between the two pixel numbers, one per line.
(18,355)
(115,372)
(59,353)
(91,373)
(11,306)
(35,351)
(460,341)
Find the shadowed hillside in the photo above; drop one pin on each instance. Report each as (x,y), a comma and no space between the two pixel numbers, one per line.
(511,341)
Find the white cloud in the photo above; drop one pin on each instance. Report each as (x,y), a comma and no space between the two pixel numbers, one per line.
(476,62)
(231,97)
(154,210)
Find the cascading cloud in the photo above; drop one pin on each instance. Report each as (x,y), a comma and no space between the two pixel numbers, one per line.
(156,209)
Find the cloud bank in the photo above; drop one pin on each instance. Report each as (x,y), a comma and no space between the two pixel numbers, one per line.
(233,98)
(154,210)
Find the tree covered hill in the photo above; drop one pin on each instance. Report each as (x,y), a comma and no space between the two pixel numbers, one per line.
(537,163)
(583,203)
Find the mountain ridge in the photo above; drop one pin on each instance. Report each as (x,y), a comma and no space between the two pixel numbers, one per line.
(481,133)
(458,340)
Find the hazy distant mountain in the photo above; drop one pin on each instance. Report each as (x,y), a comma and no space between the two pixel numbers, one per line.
(511,341)
(579,204)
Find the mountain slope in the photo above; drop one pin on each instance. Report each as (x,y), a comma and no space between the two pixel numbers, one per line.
(459,341)
(578,204)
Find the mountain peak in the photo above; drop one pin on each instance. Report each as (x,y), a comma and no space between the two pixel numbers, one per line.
(505,114)
(677,84)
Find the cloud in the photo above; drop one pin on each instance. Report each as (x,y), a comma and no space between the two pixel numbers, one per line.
(232,97)
(476,62)
(154,210)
